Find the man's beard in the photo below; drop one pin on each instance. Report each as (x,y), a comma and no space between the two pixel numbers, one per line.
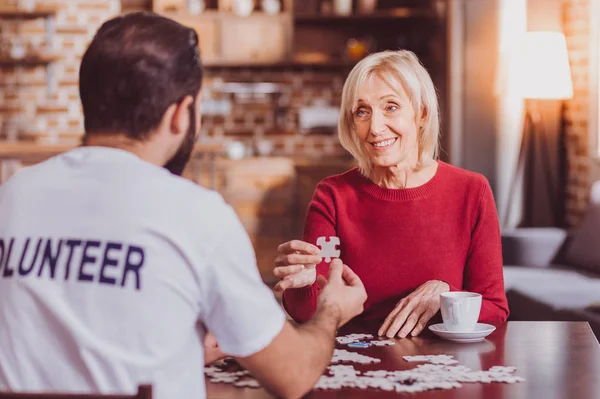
(177,163)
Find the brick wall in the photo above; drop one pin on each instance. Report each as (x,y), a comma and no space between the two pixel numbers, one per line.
(42,103)
(275,117)
(577,31)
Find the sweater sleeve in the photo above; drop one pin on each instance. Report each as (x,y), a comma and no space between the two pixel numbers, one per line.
(301,303)
(483,269)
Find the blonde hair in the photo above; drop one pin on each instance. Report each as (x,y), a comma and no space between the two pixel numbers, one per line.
(395,68)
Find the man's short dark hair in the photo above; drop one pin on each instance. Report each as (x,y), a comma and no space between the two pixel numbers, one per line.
(137,66)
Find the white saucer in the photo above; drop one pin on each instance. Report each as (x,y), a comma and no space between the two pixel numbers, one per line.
(481,331)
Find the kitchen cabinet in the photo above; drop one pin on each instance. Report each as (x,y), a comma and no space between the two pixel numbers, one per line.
(208,27)
(228,39)
(260,38)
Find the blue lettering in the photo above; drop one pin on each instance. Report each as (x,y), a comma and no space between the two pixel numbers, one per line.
(132,266)
(87,259)
(49,258)
(1,253)
(71,244)
(7,270)
(100,260)
(25,271)
(109,262)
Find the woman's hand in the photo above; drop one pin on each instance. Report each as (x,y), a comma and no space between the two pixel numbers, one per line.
(296,264)
(413,312)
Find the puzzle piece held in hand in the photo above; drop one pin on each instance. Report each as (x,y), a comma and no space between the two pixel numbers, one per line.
(328,248)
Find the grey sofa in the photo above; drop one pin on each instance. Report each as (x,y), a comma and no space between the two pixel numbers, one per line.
(554,275)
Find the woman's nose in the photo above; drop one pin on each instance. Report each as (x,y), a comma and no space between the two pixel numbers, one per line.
(377,124)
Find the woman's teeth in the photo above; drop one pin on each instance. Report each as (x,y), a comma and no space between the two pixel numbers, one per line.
(385,143)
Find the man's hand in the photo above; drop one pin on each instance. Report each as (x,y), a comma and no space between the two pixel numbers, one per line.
(411,314)
(344,292)
(295,265)
(212,351)
(293,362)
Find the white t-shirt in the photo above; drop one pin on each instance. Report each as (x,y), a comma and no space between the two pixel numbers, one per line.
(111,268)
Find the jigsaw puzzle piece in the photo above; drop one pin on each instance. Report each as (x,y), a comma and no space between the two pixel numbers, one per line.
(328,248)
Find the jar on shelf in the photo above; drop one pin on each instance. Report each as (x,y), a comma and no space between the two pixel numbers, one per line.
(195,7)
(26,5)
(271,7)
(243,8)
(18,49)
(342,7)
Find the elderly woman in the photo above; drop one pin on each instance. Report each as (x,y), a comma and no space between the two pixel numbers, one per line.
(410,226)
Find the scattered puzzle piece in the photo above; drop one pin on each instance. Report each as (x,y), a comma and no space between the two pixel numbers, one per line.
(228,371)
(247,383)
(347,339)
(437,372)
(385,342)
(424,377)
(433,359)
(341,355)
(328,248)
(359,344)
(352,339)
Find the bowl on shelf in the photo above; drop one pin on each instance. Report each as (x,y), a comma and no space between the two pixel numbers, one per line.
(312,57)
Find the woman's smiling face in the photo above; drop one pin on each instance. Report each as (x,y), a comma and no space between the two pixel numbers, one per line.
(385,122)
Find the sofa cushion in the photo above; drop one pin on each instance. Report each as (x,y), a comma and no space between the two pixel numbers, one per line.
(532,246)
(583,250)
(558,288)
(526,308)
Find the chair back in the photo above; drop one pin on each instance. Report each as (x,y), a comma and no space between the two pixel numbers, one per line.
(144,392)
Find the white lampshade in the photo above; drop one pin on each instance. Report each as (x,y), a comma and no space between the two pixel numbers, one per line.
(543,69)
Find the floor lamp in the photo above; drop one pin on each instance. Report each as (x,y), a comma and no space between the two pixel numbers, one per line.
(543,74)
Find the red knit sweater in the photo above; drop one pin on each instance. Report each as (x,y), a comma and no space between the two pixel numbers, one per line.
(397,239)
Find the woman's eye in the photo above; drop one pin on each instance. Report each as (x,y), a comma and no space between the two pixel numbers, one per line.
(392,108)
(360,112)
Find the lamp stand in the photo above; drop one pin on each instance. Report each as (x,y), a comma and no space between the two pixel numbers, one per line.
(533,140)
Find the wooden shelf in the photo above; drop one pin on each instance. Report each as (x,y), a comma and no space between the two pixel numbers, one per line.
(325,64)
(284,64)
(391,15)
(41,11)
(28,61)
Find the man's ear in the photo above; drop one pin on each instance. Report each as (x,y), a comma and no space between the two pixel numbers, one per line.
(180,121)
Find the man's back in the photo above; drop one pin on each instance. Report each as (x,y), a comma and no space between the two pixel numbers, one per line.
(107,265)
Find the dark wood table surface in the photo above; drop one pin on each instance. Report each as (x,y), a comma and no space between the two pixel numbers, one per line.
(559,360)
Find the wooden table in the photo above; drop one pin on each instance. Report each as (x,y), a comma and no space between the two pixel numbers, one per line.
(559,360)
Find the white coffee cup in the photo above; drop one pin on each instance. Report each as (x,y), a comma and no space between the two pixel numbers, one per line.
(460,310)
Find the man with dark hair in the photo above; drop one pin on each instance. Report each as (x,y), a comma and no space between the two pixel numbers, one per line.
(134,69)
(112,269)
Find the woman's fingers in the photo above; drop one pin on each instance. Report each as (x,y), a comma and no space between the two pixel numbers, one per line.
(297,280)
(401,318)
(297,259)
(284,271)
(413,318)
(390,318)
(298,246)
(423,320)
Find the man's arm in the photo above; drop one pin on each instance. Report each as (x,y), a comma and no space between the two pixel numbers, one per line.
(241,311)
(293,362)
